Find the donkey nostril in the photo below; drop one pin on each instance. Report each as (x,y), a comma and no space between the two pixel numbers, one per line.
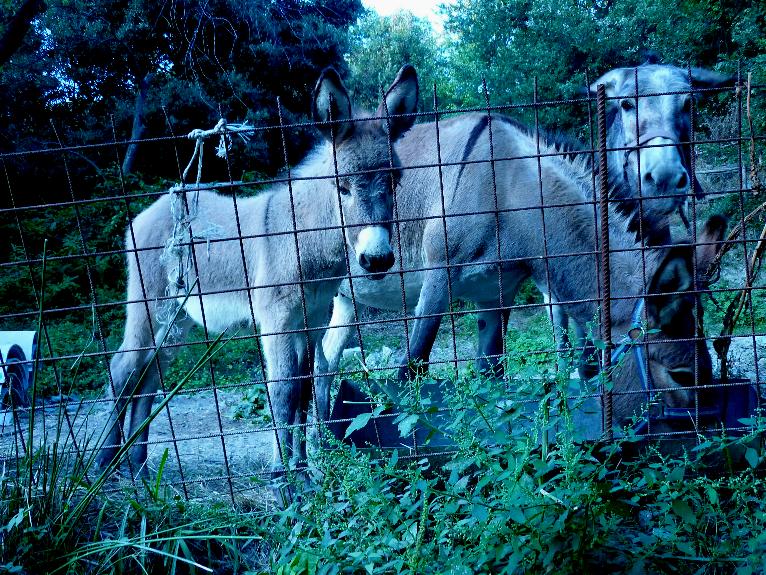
(388,260)
(363,261)
(648,178)
(682,182)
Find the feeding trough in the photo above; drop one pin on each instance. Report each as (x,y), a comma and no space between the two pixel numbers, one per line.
(384,431)
(724,406)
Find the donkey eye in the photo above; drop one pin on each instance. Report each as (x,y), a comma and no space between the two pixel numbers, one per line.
(344,190)
(687,106)
(627,104)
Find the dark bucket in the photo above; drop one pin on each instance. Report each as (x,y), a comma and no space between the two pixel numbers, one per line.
(722,407)
(382,431)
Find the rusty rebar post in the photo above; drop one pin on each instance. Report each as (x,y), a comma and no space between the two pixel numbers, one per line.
(606,312)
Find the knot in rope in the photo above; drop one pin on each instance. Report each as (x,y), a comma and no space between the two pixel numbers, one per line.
(177,254)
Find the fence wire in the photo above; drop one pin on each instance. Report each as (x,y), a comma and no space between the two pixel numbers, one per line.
(219,429)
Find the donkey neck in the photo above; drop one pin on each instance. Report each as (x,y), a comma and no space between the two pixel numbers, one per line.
(628,266)
(306,212)
(575,279)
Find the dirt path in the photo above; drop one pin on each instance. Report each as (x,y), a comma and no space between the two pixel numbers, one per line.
(198,440)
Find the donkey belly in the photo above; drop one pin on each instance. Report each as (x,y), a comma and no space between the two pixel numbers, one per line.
(483,285)
(220,310)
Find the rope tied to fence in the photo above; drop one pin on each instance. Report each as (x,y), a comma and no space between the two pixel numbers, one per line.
(177,253)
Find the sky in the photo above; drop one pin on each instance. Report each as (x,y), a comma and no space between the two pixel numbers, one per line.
(423,8)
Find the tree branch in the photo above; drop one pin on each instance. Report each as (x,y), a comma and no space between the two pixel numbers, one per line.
(138,124)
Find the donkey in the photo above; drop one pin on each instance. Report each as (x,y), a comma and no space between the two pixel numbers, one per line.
(448,225)
(274,253)
(649,138)
(652,181)
(650,157)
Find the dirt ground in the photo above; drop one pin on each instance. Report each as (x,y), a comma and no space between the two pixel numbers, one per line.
(200,441)
(211,445)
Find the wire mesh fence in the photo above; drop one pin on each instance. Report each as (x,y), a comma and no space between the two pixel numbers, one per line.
(374,267)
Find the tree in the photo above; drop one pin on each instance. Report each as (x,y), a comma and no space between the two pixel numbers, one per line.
(88,72)
(87,62)
(380,45)
(18,26)
(510,42)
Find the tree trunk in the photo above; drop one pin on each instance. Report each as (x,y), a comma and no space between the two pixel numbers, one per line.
(138,124)
(18,27)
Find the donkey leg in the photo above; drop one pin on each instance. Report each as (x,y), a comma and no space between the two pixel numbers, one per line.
(560,321)
(492,326)
(588,362)
(337,336)
(306,387)
(126,367)
(322,383)
(140,409)
(141,406)
(563,345)
(428,316)
(284,389)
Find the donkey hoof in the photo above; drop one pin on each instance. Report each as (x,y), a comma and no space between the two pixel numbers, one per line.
(105,458)
(282,491)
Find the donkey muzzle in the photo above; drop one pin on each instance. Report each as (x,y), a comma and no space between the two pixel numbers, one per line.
(662,170)
(374,253)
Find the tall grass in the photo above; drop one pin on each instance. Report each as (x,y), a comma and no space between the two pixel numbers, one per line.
(507,503)
(56,517)
(500,503)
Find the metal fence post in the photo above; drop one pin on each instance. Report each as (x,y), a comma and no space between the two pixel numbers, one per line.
(606,312)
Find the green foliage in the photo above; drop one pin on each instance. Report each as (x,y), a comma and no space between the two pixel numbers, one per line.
(54,516)
(530,344)
(511,42)
(83,63)
(502,502)
(505,504)
(380,45)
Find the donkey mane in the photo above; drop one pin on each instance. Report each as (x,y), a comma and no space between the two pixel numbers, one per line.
(578,169)
(556,142)
(569,154)
(571,148)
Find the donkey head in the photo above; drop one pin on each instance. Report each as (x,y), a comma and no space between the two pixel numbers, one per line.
(368,169)
(655,129)
(676,352)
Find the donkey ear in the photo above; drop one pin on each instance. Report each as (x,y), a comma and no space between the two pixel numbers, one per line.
(708,79)
(669,289)
(710,244)
(401,98)
(612,80)
(331,102)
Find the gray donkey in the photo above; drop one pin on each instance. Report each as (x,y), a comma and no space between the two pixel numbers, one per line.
(649,133)
(453,235)
(656,168)
(650,157)
(271,253)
